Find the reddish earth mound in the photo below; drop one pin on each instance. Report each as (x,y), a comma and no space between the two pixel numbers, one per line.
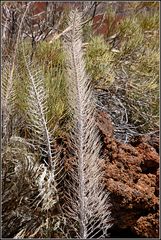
(132,177)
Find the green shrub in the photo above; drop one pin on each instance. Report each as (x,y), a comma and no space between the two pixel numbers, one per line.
(100,62)
(139,60)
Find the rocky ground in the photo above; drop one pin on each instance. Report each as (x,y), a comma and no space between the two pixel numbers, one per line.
(132,177)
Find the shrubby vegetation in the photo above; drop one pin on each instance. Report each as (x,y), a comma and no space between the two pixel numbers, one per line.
(124,62)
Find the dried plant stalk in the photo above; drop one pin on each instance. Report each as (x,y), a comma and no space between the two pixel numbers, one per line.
(43,137)
(86,204)
(7,83)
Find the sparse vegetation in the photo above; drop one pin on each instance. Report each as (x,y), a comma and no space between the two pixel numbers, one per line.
(124,63)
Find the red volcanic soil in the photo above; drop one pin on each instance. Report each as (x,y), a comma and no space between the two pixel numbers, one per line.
(132,177)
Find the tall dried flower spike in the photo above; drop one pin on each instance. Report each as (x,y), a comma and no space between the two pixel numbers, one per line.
(87,205)
(43,137)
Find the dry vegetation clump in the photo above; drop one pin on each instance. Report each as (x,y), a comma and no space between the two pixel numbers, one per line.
(28,192)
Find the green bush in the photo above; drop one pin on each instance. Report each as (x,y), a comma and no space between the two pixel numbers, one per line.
(100,62)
